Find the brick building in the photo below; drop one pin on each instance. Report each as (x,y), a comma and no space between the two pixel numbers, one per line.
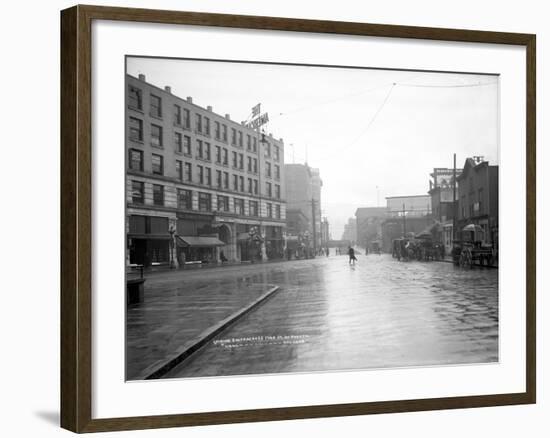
(198,183)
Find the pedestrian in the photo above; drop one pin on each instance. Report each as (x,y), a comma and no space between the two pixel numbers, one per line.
(223,258)
(327,251)
(351,254)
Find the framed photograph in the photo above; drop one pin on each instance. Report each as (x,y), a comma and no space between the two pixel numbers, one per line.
(271,218)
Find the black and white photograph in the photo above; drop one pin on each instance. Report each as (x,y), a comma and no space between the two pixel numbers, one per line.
(291,218)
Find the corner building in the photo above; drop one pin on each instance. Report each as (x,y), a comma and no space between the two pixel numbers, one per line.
(199,186)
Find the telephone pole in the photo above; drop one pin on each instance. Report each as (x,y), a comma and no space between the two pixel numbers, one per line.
(314,226)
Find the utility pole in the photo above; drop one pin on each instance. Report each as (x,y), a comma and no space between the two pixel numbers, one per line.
(314,226)
(453,235)
(404,221)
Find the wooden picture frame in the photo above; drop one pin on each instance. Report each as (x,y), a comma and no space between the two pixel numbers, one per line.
(76,217)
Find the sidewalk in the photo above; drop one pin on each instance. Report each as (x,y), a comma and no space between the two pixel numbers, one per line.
(179,315)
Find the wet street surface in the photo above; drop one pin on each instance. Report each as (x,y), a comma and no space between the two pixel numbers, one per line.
(328,315)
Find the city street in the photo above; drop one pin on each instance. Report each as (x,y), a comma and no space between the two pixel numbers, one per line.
(328,315)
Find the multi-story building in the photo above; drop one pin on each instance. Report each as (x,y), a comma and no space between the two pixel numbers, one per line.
(325,232)
(200,186)
(369,225)
(303,192)
(350,231)
(442,194)
(478,198)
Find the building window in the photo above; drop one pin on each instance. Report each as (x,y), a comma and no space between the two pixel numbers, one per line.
(207,126)
(187,145)
(218,154)
(277,172)
(268,190)
(278,211)
(234,155)
(178,142)
(157,164)
(235,182)
(249,164)
(233,136)
(248,142)
(208,176)
(254,144)
(138,192)
(277,191)
(223,203)
(276,153)
(224,133)
(200,170)
(241,183)
(179,169)
(240,139)
(239,206)
(199,149)
(241,161)
(156,106)
(219,178)
(198,121)
(156,136)
(207,151)
(135,98)
(268,169)
(269,210)
(255,186)
(217,130)
(226,180)
(136,160)
(136,129)
(253,207)
(250,188)
(225,157)
(255,165)
(186,118)
(480,201)
(185,199)
(177,115)
(267,152)
(205,201)
(188,172)
(158,194)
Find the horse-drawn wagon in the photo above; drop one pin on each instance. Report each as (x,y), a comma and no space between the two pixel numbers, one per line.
(470,250)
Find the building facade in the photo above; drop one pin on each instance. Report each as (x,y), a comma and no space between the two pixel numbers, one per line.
(200,186)
(478,198)
(444,207)
(303,192)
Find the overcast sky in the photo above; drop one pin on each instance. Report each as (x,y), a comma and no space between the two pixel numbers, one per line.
(362,128)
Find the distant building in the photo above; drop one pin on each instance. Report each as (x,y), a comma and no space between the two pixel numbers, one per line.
(405,215)
(478,197)
(350,231)
(369,225)
(303,192)
(325,232)
(411,206)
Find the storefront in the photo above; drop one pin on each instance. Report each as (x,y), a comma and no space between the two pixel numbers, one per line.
(148,240)
(274,243)
(198,248)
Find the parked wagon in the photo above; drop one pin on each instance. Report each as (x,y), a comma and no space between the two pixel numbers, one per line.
(470,249)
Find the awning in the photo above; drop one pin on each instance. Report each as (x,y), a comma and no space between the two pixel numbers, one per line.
(473,227)
(198,241)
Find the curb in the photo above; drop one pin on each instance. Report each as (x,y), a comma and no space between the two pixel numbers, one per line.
(159,368)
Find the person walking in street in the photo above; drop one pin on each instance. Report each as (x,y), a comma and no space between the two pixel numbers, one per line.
(351,254)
